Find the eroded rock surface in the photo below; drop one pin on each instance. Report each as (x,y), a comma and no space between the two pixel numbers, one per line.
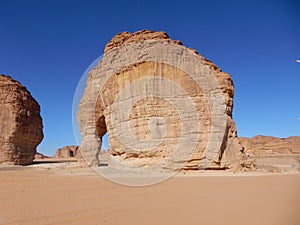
(161,104)
(20,123)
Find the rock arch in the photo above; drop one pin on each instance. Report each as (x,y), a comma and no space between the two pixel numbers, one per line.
(158,99)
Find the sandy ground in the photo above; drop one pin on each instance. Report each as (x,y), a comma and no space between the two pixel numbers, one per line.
(36,195)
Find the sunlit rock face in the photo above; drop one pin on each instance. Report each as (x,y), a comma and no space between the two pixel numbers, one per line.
(21,128)
(161,103)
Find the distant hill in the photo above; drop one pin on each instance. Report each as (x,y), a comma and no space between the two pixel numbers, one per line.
(268,145)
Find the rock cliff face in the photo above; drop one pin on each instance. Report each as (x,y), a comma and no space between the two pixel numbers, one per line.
(161,103)
(267,145)
(20,123)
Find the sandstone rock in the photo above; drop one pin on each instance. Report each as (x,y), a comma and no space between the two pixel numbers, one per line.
(67,152)
(126,37)
(20,123)
(40,156)
(161,103)
(268,145)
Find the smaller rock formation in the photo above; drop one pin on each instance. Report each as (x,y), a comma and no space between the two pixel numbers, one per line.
(67,152)
(266,145)
(21,128)
(40,156)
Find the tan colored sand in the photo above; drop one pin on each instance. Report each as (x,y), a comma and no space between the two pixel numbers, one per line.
(79,196)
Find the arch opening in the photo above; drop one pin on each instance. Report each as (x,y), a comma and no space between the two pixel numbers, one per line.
(102,132)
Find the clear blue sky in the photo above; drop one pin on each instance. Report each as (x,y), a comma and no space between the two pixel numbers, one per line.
(47,45)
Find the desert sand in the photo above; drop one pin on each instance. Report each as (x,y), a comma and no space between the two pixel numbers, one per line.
(53,195)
